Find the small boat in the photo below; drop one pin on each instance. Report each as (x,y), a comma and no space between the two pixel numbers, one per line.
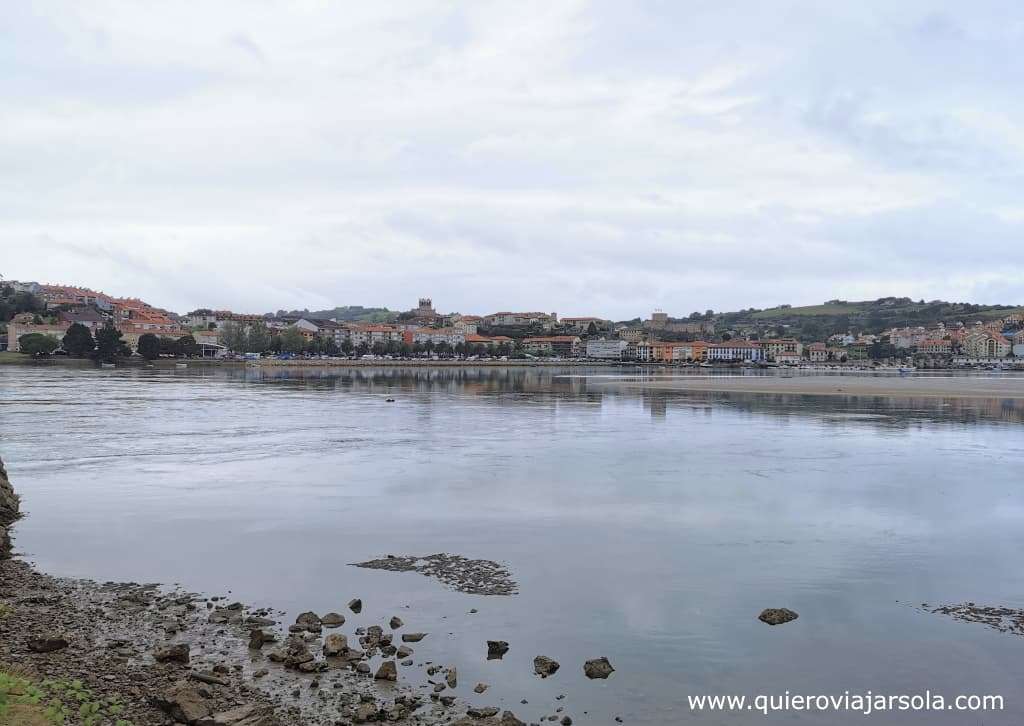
(181,365)
(906,369)
(706,365)
(107,365)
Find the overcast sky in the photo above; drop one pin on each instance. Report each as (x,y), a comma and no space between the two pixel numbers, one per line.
(581,157)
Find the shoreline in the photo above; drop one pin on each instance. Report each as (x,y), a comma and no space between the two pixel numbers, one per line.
(995,386)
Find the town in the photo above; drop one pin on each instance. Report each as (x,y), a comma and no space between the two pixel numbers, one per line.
(53,320)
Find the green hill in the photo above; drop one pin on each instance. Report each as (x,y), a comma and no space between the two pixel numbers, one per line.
(816,322)
(347,313)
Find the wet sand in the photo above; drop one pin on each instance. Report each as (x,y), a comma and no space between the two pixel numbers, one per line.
(1006,386)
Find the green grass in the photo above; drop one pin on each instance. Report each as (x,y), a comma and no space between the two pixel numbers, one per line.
(23,702)
(847,309)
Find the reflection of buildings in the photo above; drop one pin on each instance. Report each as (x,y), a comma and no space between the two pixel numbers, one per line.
(525,386)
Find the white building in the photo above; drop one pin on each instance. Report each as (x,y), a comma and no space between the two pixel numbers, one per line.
(606,349)
(451,336)
(734,350)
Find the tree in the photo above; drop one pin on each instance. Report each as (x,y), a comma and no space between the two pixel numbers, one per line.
(258,338)
(291,340)
(186,346)
(168,346)
(233,337)
(12,303)
(379,348)
(38,344)
(149,346)
(592,328)
(444,349)
(108,343)
(78,341)
(346,346)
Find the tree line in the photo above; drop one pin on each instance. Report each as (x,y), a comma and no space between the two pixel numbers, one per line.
(107,345)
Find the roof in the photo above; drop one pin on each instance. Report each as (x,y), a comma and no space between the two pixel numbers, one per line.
(88,315)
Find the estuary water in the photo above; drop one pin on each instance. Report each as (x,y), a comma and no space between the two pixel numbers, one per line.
(650,527)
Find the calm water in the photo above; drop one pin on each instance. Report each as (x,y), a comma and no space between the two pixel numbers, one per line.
(647,527)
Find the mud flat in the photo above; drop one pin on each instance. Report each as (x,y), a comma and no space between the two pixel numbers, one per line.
(1006,386)
(475,577)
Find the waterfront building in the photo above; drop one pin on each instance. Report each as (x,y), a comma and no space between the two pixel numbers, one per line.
(451,336)
(734,350)
(606,349)
(566,346)
(933,346)
(774,347)
(817,352)
(984,343)
(692,351)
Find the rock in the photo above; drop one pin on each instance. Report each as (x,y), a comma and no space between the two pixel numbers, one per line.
(566,721)
(311,666)
(363,668)
(777,616)
(174,653)
(388,671)
(292,654)
(413,637)
(332,620)
(309,621)
(249,715)
(335,644)
(365,712)
(9,511)
(355,605)
(47,644)
(404,651)
(451,677)
(183,703)
(496,649)
(509,719)
(480,688)
(9,502)
(482,711)
(598,668)
(374,633)
(258,638)
(258,621)
(544,666)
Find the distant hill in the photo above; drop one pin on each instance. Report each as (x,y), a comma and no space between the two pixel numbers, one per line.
(348,313)
(815,322)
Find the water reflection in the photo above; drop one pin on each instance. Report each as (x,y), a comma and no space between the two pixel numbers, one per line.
(649,526)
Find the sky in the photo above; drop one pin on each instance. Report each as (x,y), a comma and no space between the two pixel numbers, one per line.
(578,157)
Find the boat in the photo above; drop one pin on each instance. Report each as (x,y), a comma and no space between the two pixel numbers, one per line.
(181,365)
(906,369)
(107,365)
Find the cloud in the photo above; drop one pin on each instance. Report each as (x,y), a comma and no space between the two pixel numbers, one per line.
(585,157)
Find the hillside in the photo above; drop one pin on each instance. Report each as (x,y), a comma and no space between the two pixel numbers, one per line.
(347,313)
(815,322)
